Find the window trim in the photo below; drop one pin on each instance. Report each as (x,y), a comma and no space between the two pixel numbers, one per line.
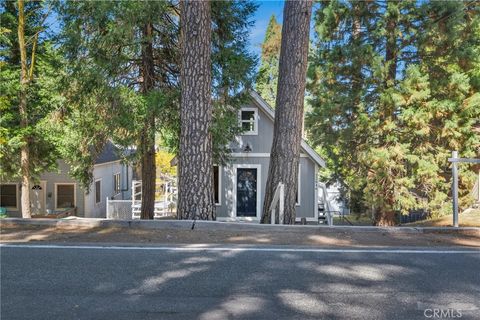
(255,121)
(17,196)
(117,192)
(219,203)
(299,200)
(74,193)
(95,193)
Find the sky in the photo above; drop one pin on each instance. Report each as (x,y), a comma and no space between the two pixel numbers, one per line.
(261,17)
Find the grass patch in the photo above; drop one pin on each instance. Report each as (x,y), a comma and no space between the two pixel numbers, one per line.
(468,218)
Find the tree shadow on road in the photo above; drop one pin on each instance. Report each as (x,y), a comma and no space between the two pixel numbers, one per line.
(234,284)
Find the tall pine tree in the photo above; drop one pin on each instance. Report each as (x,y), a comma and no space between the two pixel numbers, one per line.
(30,86)
(267,77)
(122,82)
(393,93)
(195,174)
(287,132)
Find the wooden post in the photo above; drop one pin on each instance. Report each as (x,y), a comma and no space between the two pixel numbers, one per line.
(478,186)
(455,188)
(282,204)
(279,196)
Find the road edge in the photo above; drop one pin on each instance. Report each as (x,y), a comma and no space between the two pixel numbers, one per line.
(88,223)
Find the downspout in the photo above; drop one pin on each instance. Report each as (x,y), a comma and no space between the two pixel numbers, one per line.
(124,190)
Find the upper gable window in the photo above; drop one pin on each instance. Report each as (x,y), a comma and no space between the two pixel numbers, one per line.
(249,121)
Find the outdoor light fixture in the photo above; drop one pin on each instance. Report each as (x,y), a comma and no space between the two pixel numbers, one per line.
(247,148)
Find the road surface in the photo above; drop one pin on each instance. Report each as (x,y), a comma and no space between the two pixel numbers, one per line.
(95,282)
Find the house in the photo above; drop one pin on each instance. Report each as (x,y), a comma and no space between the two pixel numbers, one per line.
(332,200)
(56,192)
(240,185)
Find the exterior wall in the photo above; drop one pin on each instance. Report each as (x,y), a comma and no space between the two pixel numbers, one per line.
(308,189)
(260,143)
(105,173)
(84,202)
(62,176)
(50,179)
(306,207)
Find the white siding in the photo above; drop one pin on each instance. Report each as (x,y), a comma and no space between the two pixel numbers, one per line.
(105,172)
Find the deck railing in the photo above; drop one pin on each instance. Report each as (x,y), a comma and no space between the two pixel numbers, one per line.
(165,201)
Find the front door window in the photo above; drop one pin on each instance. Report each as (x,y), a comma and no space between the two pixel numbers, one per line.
(246,192)
(37,199)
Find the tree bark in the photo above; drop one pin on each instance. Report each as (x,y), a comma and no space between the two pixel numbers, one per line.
(357,68)
(287,136)
(22,106)
(147,139)
(391,51)
(385,216)
(195,199)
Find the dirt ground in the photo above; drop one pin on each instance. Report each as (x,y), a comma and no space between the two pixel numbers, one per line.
(321,237)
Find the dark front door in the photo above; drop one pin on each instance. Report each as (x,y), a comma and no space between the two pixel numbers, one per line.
(246,192)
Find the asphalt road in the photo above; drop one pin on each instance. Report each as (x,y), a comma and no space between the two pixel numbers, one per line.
(163,283)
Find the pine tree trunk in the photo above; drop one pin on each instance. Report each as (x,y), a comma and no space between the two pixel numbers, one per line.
(385,216)
(148,170)
(285,153)
(22,106)
(391,51)
(357,68)
(147,140)
(195,199)
(25,169)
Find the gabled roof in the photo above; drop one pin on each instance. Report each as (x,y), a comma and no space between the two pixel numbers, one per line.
(109,153)
(271,114)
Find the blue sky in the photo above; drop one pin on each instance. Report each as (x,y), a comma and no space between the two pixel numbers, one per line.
(262,16)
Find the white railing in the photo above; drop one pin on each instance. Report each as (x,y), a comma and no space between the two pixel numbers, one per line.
(328,208)
(165,201)
(119,209)
(278,200)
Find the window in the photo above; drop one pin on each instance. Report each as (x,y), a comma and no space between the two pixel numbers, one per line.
(98,191)
(65,196)
(297,198)
(249,121)
(8,195)
(116,183)
(216,184)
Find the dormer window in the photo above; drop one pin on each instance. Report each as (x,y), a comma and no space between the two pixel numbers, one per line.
(249,121)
